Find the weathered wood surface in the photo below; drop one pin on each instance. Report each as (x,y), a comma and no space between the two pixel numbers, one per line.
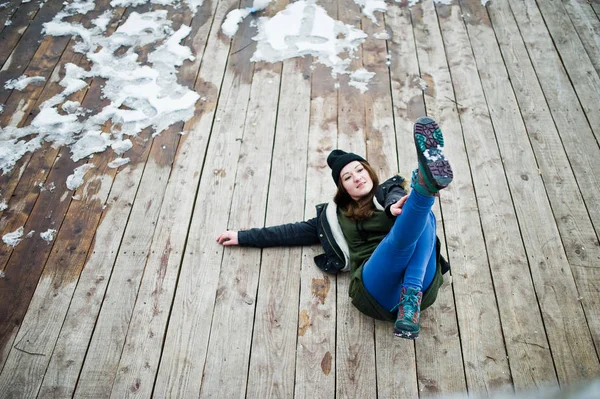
(587,25)
(438,366)
(315,360)
(355,344)
(570,213)
(134,297)
(580,69)
(522,326)
(484,354)
(272,361)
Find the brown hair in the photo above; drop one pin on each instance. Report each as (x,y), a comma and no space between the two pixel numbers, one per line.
(354,209)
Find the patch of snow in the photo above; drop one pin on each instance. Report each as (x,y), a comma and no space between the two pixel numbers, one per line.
(1,108)
(2,274)
(5,4)
(233,19)
(446,2)
(14,238)
(8,22)
(76,179)
(103,20)
(119,147)
(3,205)
(139,95)
(23,81)
(30,234)
(360,79)
(90,143)
(304,28)
(118,162)
(381,35)
(259,5)
(48,235)
(370,6)
(484,2)
(71,107)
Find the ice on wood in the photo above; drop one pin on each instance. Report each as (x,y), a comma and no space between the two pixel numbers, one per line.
(23,81)
(304,28)
(76,179)
(48,235)
(13,238)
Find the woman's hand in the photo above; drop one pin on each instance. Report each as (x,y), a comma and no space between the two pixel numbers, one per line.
(228,238)
(396,208)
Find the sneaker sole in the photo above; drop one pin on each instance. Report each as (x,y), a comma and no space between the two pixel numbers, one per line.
(429,142)
(406,334)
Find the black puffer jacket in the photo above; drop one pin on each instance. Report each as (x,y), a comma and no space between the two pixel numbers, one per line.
(324,229)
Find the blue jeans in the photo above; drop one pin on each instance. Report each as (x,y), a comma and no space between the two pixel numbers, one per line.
(406,256)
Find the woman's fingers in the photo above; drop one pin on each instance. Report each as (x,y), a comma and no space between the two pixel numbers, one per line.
(228,238)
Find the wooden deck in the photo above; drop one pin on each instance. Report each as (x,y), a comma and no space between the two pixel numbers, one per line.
(135,298)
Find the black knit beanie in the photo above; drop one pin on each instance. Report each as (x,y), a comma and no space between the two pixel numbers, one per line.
(337,159)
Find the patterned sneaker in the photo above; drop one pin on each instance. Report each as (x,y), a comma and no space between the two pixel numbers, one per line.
(409,312)
(434,172)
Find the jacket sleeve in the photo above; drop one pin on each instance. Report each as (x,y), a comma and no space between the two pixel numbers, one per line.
(291,234)
(390,191)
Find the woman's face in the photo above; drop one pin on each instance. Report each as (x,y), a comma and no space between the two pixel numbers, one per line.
(356,180)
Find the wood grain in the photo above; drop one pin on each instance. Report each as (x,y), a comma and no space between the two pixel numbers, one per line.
(570,212)
(587,25)
(316,357)
(583,76)
(484,355)
(438,358)
(522,326)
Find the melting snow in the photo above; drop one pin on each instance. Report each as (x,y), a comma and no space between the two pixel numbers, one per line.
(13,238)
(23,81)
(48,235)
(304,28)
(3,205)
(370,6)
(140,95)
(360,79)
(76,179)
(233,19)
(118,162)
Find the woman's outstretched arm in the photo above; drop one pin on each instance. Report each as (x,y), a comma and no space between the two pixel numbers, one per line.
(291,234)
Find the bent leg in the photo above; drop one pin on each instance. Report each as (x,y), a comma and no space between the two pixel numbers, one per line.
(389,268)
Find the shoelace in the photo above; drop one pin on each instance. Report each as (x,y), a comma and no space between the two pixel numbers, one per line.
(410,303)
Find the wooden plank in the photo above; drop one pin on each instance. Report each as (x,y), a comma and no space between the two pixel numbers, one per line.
(189,327)
(315,359)
(22,54)
(575,132)
(136,374)
(102,357)
(382,153)
(523,330)
(477,311)
(21,109)
(439,361)
(48,307)
(68,355)
(7,10)
(48,212)
(548,264)
(586,23)
(584,78)
(355,346)
(20,16)
(272,359)
(570,213)
(199,285)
